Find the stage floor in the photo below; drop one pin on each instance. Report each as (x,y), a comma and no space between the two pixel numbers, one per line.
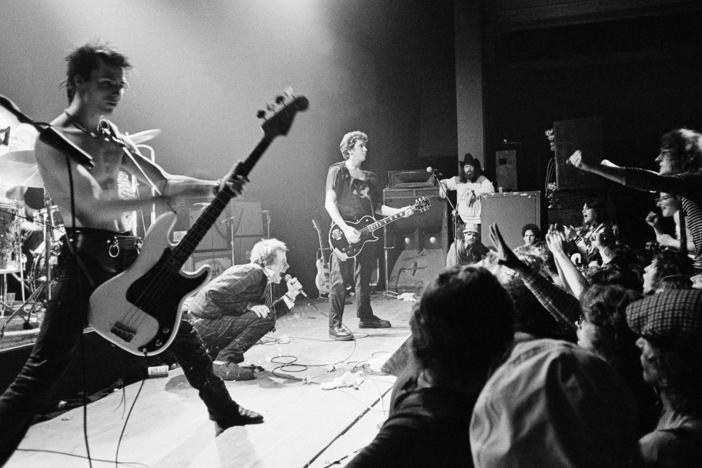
(305,425)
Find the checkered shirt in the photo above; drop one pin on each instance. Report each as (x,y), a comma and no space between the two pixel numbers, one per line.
(673,316)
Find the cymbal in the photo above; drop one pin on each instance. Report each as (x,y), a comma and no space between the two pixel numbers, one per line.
(20,168)
(144,135)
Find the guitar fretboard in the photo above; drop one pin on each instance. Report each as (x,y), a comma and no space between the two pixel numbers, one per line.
(385,221)
(209,215)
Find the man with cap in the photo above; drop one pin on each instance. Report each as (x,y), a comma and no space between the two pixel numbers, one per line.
(470,185)
(468,248)
(669,326)
(552,403)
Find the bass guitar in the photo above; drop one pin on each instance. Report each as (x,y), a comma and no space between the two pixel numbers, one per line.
(139,310)
(344,250)
(323,278)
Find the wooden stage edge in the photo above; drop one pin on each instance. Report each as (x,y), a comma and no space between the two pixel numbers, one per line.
(305,424)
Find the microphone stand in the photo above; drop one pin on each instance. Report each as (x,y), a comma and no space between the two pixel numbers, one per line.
(454,213)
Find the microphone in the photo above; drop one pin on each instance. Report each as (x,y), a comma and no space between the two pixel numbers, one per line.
(288,277)
(49,135)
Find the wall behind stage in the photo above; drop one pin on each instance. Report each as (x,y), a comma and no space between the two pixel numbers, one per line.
(203,68)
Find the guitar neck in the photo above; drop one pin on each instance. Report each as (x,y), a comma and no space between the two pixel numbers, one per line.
(209,215)
(387,220)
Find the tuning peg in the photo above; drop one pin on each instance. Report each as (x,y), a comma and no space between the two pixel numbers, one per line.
(261,114)
(279,99)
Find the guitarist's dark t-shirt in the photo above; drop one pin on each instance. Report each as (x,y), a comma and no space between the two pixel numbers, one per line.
(354,197)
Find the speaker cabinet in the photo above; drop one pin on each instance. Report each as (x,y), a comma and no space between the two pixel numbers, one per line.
(511,211)
(233,234)
(582,134)
(506,169)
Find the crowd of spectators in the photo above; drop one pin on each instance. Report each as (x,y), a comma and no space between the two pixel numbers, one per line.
(574,349)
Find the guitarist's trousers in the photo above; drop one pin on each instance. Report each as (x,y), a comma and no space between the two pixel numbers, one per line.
(60,339)
(362,269)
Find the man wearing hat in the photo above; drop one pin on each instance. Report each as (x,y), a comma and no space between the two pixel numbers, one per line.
(470,185)
(468,248)
(669,326)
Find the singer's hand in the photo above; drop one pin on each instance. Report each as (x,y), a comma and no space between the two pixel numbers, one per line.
(260,310)
(294,286)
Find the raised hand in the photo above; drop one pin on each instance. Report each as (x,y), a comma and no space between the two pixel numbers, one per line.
(505,255)
(554,241)
(576,159)
(653,220)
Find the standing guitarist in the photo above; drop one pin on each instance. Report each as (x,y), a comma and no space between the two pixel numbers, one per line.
(98,245)
(352,193)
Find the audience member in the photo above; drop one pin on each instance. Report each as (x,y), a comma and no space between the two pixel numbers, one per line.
(668,269)
(669,326)
(679,162)
(468,249)
(670,208)
(553,404)
(461,326)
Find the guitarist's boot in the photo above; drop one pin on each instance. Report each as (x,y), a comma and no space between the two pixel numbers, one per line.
(373,322)
(340,333)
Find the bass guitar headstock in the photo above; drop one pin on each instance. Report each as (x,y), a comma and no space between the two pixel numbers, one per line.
(278,115)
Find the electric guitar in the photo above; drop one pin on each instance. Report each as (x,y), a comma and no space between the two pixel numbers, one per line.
(139,310)
(343,249)
(323,278)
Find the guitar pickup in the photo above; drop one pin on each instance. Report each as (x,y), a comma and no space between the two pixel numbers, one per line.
(122,331)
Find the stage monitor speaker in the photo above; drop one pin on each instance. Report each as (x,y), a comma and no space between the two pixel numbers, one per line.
(410,179)
(433,218)
(569,135)
(506,169)
(511,211)
(414,269)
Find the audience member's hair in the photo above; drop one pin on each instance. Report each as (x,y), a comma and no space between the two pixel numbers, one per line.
(462,321)
(604,306)
(685,144)
(598,205)
(82,61)
(533,228)
(265,251)
(679,373)
(673,270)
(616,275)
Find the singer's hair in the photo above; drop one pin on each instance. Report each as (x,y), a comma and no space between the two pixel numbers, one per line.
(82,61)
(349,141)
(265,251)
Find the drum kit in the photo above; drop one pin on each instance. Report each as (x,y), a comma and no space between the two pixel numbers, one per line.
(29,237)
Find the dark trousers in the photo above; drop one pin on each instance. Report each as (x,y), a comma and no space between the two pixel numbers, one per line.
(229,337)
(362,269)
(61,332)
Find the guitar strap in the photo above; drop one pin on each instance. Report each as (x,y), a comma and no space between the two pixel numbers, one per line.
(129,150)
